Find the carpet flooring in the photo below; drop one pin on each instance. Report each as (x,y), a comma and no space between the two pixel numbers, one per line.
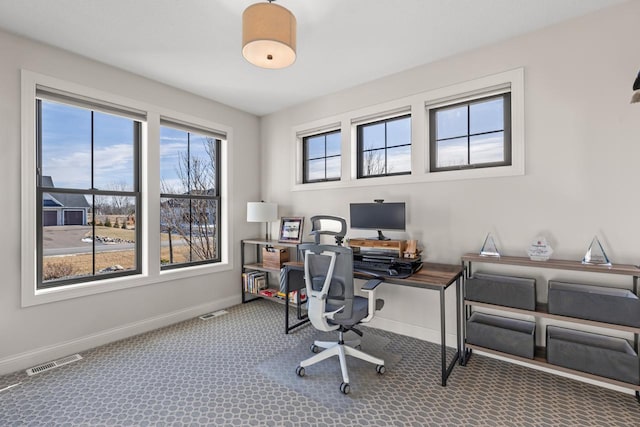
(239,369)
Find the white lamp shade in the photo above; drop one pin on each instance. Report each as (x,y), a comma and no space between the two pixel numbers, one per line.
(268,35)
(262,212)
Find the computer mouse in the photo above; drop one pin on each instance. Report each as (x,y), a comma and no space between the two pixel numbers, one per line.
(392,272)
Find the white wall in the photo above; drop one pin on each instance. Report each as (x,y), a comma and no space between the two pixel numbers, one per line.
(40,333)
(582,146)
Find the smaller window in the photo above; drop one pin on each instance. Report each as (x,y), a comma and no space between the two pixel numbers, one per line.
(471,134)
(189,196)
(321,157)
(384,147)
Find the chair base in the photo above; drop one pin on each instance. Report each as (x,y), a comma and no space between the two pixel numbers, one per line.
(342,349)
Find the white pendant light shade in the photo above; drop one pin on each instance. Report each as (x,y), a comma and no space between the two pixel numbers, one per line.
(269,35)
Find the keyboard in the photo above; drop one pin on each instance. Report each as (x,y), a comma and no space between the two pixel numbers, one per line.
(372,266)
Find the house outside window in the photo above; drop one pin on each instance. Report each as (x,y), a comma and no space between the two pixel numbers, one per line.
(471,134)
(321,157)
(87,190)
(190,195)
(384,147)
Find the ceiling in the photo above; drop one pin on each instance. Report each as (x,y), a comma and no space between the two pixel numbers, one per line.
(195,45)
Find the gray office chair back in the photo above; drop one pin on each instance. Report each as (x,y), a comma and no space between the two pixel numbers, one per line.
(330,301)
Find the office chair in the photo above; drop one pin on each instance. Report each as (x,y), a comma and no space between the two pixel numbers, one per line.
(332,304)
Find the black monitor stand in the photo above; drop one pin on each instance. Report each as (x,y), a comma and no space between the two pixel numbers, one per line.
(382,236)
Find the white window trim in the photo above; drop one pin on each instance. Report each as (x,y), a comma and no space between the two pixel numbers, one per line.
(510,81)
(300,134)
(150,189)
(420,135)
(374,117)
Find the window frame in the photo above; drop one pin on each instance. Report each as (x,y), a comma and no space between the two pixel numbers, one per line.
(433,142)
(150,190)
(216,197)
(93,107)
(305,159)
(360,151)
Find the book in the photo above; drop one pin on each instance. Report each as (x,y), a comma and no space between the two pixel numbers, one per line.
(254,281)
(268,292)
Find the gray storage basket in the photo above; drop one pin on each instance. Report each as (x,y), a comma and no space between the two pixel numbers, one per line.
(508,291)
(596,354)
(602,304)
(503,334)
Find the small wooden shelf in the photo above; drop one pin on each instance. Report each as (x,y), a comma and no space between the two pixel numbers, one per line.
(540,359)
(396,247)
(260,267)
(542,312)
(254,262)
(266,242)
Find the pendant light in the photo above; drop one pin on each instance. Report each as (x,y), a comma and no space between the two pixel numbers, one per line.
(268,35)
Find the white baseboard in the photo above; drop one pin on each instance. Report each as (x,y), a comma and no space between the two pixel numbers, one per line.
(44,354)
(414,331)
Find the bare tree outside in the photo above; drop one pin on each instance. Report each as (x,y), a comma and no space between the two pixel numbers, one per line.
(373,163)
(187,220)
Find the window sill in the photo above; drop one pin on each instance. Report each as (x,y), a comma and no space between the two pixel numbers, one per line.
(62,293)
(454,175)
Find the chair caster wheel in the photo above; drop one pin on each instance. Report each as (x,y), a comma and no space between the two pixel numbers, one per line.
(381,369)
(344,388)
(300,371)
(314,348)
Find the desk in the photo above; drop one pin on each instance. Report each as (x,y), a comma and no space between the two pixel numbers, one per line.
(437,277)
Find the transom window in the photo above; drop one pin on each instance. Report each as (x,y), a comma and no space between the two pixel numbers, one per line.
(190,196)
(384,147)
(321,154)
(471,134)
(87,189)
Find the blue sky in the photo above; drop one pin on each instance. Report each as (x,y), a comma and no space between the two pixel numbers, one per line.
(174,144)
(66,149)
(485,116)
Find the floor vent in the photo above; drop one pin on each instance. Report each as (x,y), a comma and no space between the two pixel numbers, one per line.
(212,315)
(52,365)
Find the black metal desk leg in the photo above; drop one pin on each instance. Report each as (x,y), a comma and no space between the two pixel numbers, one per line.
(443,340)
(459,303)
(286,307)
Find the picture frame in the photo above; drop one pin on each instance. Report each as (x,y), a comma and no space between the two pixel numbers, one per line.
(291,229)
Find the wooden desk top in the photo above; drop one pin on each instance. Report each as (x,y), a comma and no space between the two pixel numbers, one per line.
(431,276)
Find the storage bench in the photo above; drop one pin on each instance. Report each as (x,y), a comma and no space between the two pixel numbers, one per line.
(503,334)
(508,291)
(602,304)
(596,354)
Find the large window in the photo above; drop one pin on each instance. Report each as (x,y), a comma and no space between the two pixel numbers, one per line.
(190,195)
(471,134)
(321,153)
(384,147)
(87,191)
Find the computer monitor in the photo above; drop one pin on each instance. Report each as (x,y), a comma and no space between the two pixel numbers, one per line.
(378,216)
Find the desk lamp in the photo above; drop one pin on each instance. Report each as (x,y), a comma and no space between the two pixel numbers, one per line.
(262,212)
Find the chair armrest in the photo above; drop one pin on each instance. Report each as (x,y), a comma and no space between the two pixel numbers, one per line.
(371,284)
(370,289)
